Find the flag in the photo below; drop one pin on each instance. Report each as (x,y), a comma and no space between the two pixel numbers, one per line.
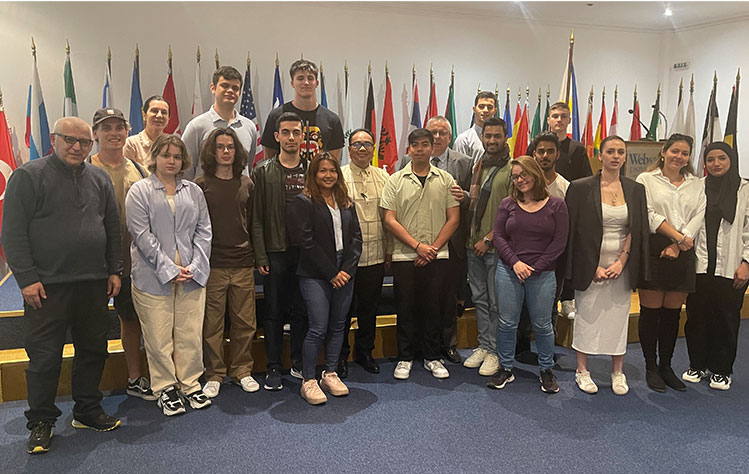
(323,95)
(536,128)
(711,131)
(545,124)
(387,151)
(678,122)
(136,99)
(348,116)
(432,104)
(575,123)
(171,98)
(70,105)
(613,129)
(635,132)
(508,116)
(568,93)
(247,109)
(655,118)
(587,138)
(733,112)
(107,95)
(520,133)
(37,126)
(415,109)
(277,90)
(518,111)
(197,100)
(450,109)
(601,128)
(370,118)
(7,165)
(690,122)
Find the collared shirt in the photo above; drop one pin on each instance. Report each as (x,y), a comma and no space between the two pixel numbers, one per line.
(138,148)
(200,127)
(469,143)
(365,188)
(158,234)
(558,187)
(440,161)
(683,207)
(421,210)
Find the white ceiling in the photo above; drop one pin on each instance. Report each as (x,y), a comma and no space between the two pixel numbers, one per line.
(635,16)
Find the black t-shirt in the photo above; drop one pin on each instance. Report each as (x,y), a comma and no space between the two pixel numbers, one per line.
(293,185)
(573,161)
(324,133)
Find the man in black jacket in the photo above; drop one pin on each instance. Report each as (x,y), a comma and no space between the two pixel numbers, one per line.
(61,235)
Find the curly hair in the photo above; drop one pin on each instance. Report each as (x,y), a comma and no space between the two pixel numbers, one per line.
(208,153)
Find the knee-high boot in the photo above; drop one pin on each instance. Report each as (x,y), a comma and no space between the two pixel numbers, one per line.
(647,329)
(668,331)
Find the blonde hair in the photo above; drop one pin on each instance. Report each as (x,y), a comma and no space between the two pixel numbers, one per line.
(533,169)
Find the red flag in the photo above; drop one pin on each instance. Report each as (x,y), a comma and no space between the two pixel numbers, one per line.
(171,98)
(614,128)
(518,113)
(587,138)
(521,134)
(7,163)
(432,107)
(388,149)
(635,131)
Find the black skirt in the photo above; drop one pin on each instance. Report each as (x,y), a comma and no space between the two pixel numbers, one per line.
(670,275)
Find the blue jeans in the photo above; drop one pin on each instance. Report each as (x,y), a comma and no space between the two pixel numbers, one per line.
(483,293)
(538,291)
(326,312)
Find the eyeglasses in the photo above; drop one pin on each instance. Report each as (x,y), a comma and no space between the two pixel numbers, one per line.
(224,147)
(437,133)
(517,177)
(85,142)
(678,137)
(366,145)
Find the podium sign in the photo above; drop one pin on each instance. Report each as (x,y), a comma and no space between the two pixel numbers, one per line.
(640,155)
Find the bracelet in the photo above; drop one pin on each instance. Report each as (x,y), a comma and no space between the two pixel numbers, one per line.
(416,249)
(682,240)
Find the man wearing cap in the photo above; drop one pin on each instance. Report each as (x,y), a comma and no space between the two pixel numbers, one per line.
(61,235)
(110,132)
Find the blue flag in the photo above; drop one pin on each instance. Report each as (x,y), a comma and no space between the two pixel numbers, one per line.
(508,117)
(136,102)
(277,91)
(323,95)
(575,111)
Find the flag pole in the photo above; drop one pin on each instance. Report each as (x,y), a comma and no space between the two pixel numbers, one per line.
(169,58)
(33,48)
(569,67)
(137,60)
(217,60)
(249,62)
(345,75)
(109,60)
(197,55)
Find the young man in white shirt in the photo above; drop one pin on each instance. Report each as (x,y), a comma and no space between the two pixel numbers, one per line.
(469,142)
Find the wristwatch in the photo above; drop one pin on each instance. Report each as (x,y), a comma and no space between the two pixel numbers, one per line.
(487,242)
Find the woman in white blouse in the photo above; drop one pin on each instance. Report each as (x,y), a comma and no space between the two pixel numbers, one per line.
(722,249)
(676,211)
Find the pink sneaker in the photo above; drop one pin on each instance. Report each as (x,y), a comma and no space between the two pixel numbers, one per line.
(333,384)
(311,392)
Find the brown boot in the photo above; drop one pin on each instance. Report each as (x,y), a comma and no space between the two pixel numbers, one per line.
(331,383)
(311,392)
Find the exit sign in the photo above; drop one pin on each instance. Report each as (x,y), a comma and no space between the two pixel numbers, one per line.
(682,65)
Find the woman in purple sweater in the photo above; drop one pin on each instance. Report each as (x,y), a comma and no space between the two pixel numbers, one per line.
(530,234)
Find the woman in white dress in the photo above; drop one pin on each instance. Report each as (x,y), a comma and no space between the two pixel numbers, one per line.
(607,254)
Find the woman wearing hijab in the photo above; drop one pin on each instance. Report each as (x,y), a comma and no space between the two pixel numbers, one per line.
(722,249)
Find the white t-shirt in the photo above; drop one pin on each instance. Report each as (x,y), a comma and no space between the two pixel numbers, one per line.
(558,187)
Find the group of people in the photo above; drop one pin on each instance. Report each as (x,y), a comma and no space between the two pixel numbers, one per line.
(173,229)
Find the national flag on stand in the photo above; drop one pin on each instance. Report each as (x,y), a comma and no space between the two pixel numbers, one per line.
(575,123)
(107,94)
(678,121)
(37,126)
(635,130)
(277,89)
(588,140)
(568,93)
(7,165)
(733,112)
(370,117)
(247,109)
(614,128)
(520,133)
(197,99)
(518,110)
(348,116)
(508,116)
(536,128)
(690,122)
(136,99)
(601,128)
(655,118)
(170,96)
(450,108)
(323,95)
(415,109)
(432,104)
(545,123)
(70,105)
(711,131)
(387,151)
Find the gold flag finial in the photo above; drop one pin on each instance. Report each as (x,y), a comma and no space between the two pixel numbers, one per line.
(301,56)
(616,92)
(345,66)
(276,59)
(508,89)
(1,100)
(572,36)
(413,69)
(527,92)
(478,88)
(496,89)
(67,47)
(590,97)
(452,71)
(249,61)
(137,50)
(169,57)
(218,61)
(603,94)
(548,92)
(681,85)
(387,71)
(431,72)
(520,94)
(691,85)
(33,47)
(539,95)
(715,78)
(321,68)
(659,90)
(369,67)
(197,55)
(109,54)
(635,91)
(738,75)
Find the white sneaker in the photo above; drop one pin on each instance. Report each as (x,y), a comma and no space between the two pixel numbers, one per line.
(403,369)
(568,309)
(474,360)
(619,383)
(720,382)
(437,369)
(212,388)
(585,383)
(490,366)
(694,375)
(248,384)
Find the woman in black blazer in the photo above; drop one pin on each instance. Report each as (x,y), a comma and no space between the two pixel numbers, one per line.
(607,254)
(329,238)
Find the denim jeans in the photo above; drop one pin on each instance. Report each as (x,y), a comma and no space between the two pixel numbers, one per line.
(538,291)
(483,292)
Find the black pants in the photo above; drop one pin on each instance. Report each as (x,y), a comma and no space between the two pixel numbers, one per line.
(457,274)
(82,307)
(712,328)
(282,297)
(367,292)
(418,296)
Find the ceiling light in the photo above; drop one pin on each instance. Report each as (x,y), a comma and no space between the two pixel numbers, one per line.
(668,12)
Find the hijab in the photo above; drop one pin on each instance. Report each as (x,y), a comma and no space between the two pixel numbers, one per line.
(722,191)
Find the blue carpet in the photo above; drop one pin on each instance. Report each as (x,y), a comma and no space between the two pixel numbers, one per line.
(422,425)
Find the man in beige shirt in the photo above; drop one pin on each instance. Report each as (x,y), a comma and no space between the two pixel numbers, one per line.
(365,183)
(422,214)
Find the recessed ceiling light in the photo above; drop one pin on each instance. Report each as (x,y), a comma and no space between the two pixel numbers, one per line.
(668,12)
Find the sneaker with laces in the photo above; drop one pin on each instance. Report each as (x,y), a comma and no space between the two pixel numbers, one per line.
(403,369)
(475,360)
(248,384)
(720,382)
(619,383)
(211,388)
(501,378)
(693,375)
(568,309)
(296,373)
(170,402)
(140,388)
(40,437)
(311,392)
(490,365)
(436,368)
(330,382)
(98,422)
(548,381)
(585,383)
(198,400)
(273,380)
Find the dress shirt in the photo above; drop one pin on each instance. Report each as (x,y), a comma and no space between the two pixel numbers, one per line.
(469,143)
(683,207)
(335,214)
(138,148)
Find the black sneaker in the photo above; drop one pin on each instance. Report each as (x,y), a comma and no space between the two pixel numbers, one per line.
(40,438)
(273,380)
(501,378)
(170,402)
(198,400)
(141,388)
(99,422)
(548,381)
